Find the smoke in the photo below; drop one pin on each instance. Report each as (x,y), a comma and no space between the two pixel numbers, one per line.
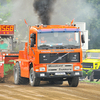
(44,10)
(66,10)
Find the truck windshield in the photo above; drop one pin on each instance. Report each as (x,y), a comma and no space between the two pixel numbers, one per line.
(93,55)
(59,40)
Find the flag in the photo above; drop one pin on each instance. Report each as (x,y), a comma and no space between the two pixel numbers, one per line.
(72,21)
(25,22)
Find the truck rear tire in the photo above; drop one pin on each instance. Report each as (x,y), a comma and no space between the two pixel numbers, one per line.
(17,77)
(33,80)
(73,82)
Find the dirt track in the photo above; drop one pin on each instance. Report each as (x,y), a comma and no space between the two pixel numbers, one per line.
(9,91)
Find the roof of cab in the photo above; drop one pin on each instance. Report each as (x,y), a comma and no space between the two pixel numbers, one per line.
(93,50)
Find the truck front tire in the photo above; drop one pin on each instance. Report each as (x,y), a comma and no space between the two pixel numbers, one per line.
(33,80)
(17,77)
(73,82)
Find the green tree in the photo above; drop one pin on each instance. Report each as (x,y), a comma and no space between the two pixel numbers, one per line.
(94,25)
(4,10)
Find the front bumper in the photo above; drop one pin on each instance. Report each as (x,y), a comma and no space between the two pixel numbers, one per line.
(58,74)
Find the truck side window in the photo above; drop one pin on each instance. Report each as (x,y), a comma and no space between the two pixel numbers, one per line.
(34,38)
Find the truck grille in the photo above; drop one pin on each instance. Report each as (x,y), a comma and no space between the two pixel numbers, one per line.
(87,65)
(54,57)
(59,67)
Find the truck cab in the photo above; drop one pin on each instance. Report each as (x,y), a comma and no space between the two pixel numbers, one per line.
(53,54)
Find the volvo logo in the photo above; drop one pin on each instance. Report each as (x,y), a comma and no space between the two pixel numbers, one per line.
(59,58)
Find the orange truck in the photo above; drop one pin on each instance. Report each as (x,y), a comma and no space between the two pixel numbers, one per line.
(53,54)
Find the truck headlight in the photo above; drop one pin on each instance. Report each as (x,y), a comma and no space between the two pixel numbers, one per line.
(42,68)
(42,74)
(76,67)
(77,73)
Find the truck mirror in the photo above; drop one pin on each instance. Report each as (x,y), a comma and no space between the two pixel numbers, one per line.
(32,42)
(32,35)
(82,38)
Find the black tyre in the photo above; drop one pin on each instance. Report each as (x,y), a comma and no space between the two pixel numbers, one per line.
(73,82)
(17,77)
(2,80)
(33,80)
(91,77)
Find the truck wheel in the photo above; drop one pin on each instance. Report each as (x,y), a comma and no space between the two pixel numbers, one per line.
(92,77)
(2,80)
(73,82)
(17,78)
(33,80)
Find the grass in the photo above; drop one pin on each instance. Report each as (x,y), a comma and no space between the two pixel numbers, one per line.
(87,81)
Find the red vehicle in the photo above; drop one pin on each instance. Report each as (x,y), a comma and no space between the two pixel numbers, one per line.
(1,70)
(48,56)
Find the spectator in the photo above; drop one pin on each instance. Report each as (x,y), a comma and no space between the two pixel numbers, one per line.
(69,38)
(3,45)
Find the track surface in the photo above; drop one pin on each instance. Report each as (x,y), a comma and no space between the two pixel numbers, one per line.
(84,91)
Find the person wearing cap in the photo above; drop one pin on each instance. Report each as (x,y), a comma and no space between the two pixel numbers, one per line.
(3,45)
(42,40)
